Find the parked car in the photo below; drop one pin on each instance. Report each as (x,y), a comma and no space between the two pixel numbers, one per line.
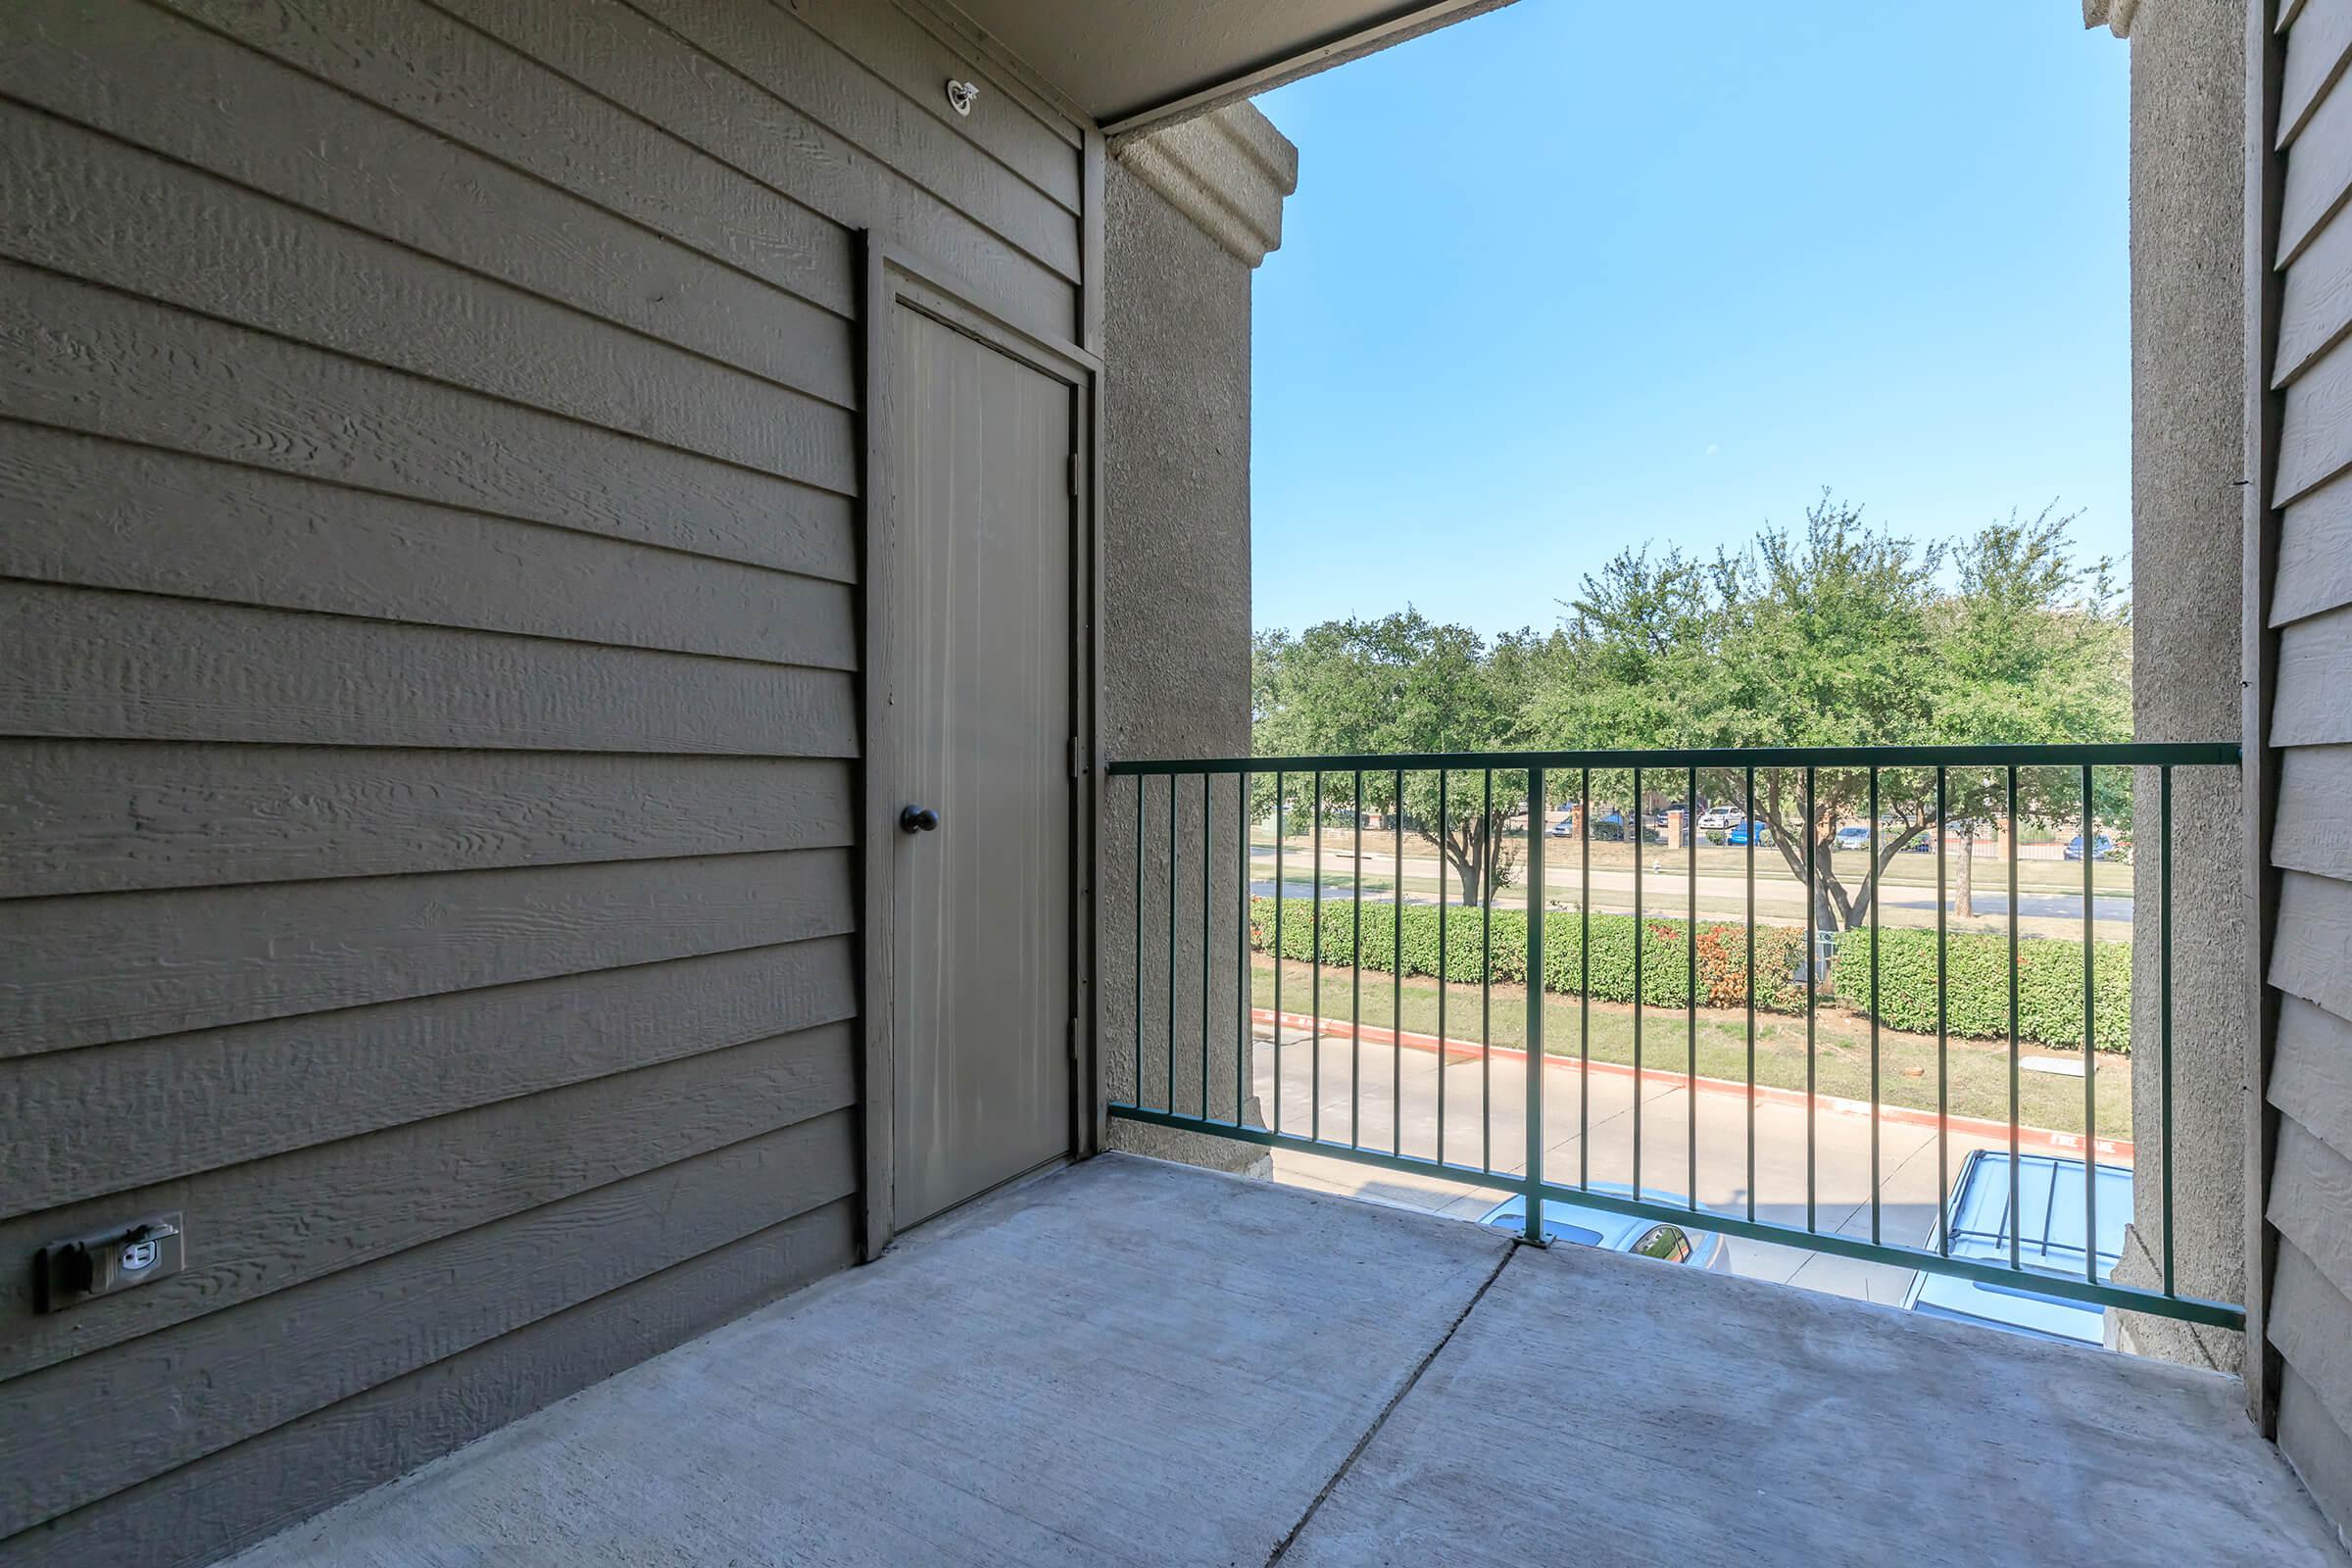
(1668,1241)
(1558,830)
(1717,818)
(1853,838)
(2050,1242)
(2104,851)
(1737,837)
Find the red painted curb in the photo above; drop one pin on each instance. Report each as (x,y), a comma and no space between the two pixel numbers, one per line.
(2041,1139)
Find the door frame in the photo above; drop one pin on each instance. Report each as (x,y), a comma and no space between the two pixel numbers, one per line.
(896,278)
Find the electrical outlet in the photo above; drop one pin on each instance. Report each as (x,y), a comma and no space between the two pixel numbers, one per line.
(68,1273)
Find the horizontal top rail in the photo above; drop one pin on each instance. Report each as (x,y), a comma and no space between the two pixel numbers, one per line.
(2108,754)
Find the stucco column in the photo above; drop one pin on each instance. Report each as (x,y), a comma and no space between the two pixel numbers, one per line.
(1190,211)
(2187,461)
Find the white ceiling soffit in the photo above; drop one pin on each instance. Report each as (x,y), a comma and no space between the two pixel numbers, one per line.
(1135,64)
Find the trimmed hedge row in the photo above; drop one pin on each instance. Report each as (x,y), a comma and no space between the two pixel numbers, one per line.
(2049,986)
(2049,973)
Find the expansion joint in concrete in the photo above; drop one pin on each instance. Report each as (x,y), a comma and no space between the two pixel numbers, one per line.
(1403,1389)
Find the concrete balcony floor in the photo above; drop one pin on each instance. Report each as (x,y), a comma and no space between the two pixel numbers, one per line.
(1134,1362)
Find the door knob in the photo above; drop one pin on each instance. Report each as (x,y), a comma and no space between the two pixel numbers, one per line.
(918,820)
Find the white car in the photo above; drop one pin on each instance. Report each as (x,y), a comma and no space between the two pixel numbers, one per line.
(1718,818)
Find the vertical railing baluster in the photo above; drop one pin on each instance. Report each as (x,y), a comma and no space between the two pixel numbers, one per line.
(1750,819)
(1691,978)
(1175,812)
(1485,981)
(1397,984)
(1445,838)
(1584,981)
(1314,1107)
(1244,985)
(2164,1003)
(1356,982)
(1633,818)
(1280,788)
(1141,797)
(1812,987)
(2090,1038)
(1876,889)
(2016,1175)
(1943,1130)
(1208,877)
(1534,1006)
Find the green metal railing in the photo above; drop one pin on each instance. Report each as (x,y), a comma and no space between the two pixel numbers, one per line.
(1812,786)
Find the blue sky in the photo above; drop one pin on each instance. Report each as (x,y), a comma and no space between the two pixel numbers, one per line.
(1564,279)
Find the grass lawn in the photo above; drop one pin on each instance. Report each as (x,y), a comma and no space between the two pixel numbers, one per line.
(1979,1070)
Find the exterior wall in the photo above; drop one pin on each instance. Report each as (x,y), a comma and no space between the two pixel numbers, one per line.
(1176,597)
(2188,452)
(2308,1302)
(428,700)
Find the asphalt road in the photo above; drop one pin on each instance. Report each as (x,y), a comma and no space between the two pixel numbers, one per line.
(1778,901)
(1907,1186)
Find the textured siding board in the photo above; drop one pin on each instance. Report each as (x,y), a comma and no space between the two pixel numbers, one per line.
(2318,1447)
(315,1212)
(78,662)
(2317,45)
(2314,678)
(2314,827)
(2311,1077)
(2315,432)
(2315,307)
(429,631)
(2312,955)
(342,1334)
(617,53)
(85,511)
(2311,1324)
(443,74)
(119,817)
(800,67)
(87,358)
(151,1110)
(121,966)
(1037,143)
(224,108)
(2311,1201)
(2318,174)
(2314,552)
(237,1495)
(85,205)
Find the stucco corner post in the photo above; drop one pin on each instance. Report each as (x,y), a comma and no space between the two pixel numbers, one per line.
(2188,459)
(1190,211)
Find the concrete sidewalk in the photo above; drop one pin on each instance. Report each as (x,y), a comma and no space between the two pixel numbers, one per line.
(1141,1363)
(1479,1099)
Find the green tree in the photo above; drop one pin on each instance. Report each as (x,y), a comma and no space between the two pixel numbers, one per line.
(2034,647)
(1841,634)
(1400,683)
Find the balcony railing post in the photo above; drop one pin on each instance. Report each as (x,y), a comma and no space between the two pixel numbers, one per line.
(1995,771)
(2164,1003)
(1535,798)
(2090,1040)
(1877,888)
(1445,838)
(1280,786)
(1633,821)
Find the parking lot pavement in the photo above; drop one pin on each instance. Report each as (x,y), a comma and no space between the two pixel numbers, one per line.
(1485,1121)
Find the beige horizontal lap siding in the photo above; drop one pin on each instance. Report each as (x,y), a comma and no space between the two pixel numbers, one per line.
(2309,1300)
(430,628)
